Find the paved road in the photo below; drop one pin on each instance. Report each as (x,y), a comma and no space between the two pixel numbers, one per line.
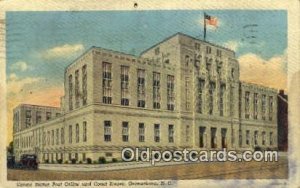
(209,170)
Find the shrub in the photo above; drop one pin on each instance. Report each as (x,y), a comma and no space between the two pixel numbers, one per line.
(73,161)
(114,160)
(89,161)
(257,148)
(46,161)
(80,162)
(95,162)
(59,161)
(102,160)
(66,162)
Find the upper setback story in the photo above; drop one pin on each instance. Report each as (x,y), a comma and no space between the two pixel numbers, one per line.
(173,58)
(27,115)
(203,68)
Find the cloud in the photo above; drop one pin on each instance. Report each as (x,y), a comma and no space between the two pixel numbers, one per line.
(63,51)
(271,72)
(15,84)
(233,45)
(19,66)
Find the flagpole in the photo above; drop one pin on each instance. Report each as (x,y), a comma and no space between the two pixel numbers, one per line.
(204,27)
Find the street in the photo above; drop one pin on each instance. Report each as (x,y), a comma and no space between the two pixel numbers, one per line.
(208,170)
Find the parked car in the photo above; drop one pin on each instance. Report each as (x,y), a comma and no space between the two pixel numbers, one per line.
(27,161)
(10,161)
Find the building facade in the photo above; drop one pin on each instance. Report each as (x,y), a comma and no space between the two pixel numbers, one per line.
(180,93)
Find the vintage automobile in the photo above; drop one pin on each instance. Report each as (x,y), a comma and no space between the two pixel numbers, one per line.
(10,161)
(27,161)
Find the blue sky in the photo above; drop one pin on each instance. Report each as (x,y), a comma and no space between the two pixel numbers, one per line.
(30,34)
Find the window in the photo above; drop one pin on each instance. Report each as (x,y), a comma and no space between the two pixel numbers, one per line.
(208,49)
(202,134)
(84,85)
(107,83)
(141,94)
(219,53)
(263,138)
(124,85)
(223,137)
(28,118)
(141,132)
(57,136)
(156,133)
(187,60)
(232,73)
(270,108)
(255,137)
(44,138)
(200,95)
(70,134)
(62,132)
(171,133)
(52,137)
(197,46)
(170,93)
(48,115)
(77,94)
(247,137)
(156,90)
(156,51)
(187,133)
(222,96)
(255,106)
(208,66)
(84,137)
(16,121)
(77,133)
(211,97)
(247,104)
(219,68)
(107,131)
(213,138)
(57,114)
(38,117)
(125,131)
(263,107)
(271,138)
(70,92)
(187,93)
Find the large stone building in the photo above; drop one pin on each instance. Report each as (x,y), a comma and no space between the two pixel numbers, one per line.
(180,93)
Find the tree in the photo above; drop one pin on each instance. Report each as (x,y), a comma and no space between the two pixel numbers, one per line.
(10,148)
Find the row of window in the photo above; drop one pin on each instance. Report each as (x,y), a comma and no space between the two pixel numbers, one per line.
(57,136)
(197,47)
(80,95)
(52,157)
(256,135)
(141,87)
(38,117)
(141,132)
(255,104)
(203,140)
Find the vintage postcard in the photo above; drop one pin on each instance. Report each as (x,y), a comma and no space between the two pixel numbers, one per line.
(150,93)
